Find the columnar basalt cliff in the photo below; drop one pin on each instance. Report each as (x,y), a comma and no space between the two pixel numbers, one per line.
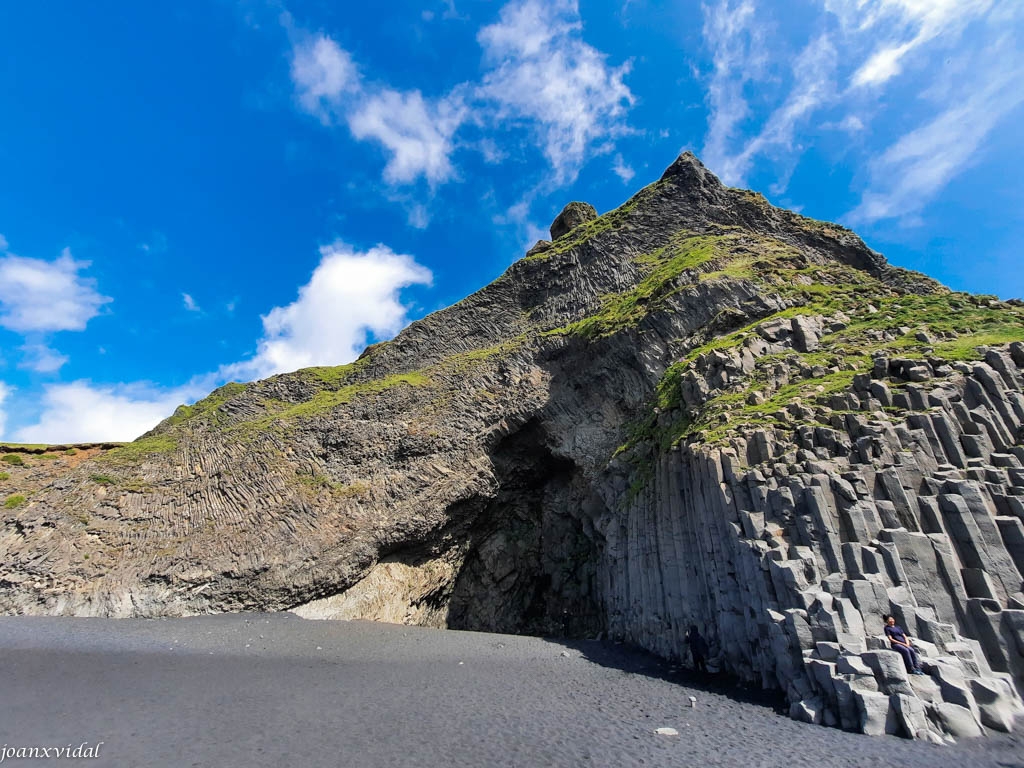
(695,409)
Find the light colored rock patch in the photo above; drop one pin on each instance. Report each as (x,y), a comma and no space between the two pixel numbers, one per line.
(392,592)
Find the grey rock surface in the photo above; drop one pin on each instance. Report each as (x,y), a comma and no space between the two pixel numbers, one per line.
(572,216)
(694,410)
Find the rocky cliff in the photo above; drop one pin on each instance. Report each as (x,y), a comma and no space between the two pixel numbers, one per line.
(695,409)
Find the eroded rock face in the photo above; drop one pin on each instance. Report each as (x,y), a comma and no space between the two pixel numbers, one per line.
(571,217)
(706,411)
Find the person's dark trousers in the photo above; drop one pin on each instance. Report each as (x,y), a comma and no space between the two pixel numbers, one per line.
(910,658)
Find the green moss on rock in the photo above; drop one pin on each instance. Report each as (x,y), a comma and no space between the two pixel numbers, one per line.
(145,447)
(207,406)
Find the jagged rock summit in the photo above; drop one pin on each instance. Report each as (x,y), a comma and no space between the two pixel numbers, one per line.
(694,409)
(572,216)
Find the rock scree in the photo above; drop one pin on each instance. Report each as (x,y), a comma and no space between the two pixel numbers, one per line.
(696,409)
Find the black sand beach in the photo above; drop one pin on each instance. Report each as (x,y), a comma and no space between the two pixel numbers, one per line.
(276,690)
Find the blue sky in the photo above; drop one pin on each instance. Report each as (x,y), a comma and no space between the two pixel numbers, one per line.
(199,192)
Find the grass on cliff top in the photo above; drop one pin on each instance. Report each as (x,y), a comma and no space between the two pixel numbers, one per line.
(685,251)
(608,221)
(166,440)
(329,399)
(828,228)
(207,406)
(134,452)
(739,255)
(461,362)
(874,308)
(24,446)
(333,376)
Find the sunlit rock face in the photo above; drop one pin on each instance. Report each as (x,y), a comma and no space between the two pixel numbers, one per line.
(696,409)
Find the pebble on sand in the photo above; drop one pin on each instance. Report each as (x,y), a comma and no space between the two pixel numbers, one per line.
(664,731)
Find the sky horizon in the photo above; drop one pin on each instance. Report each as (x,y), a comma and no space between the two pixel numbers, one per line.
(223,191)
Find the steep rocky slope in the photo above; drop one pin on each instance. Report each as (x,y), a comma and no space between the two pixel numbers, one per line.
(695,409)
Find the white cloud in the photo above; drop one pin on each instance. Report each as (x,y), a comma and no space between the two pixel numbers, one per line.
(528,27)
(82,412)
(883,65)
(417,133)
(492,153)
(5,390)
(740,56)
(42,359)
(812,86)
(912,171)
(622,170)
(539,75)
(322,73)
(849,124)
(419,216)
(541,71)
(3,243)
(896,28)
(38,295)
(189,302)
(735,39)
(941,49)
(349,295)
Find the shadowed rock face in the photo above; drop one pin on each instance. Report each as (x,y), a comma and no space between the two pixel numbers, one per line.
(695,409)
(571,217)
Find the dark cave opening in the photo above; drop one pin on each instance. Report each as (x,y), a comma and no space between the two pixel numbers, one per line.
(532,559)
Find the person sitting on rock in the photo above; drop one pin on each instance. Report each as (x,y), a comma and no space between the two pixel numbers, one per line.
(900,642)
(698,649)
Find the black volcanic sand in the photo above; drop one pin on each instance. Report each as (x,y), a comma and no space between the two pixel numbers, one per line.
(275,690)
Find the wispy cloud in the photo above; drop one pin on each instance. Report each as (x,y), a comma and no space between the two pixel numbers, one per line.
(539,75)
(914,169)
(956,55)
(898,28)
(735,39)
(189,303)
(41,358)
(156,244)
(322,73)
(623,171)
(542,71)
(39,295)
(812,86)
(416,133)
